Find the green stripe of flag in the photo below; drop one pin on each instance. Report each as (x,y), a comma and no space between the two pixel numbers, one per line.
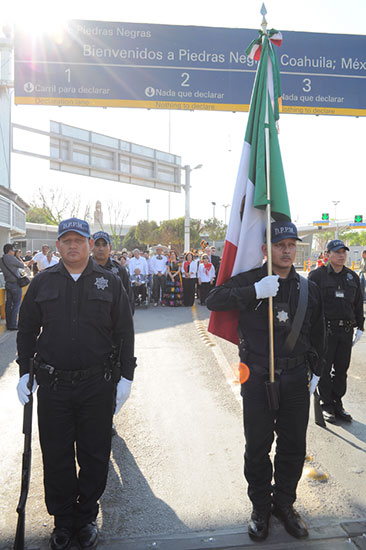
(255,136)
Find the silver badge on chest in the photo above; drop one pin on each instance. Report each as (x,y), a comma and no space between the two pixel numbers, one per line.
(101,283)
(282,316)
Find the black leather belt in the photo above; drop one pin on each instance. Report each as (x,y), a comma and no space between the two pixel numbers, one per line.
(331,323)
(43,369)
(282,363)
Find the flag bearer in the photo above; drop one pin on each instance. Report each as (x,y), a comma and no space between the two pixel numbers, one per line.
(248,293)
(343,309)
(77,319)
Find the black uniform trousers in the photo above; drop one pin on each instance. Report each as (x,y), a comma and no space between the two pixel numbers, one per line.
(204,290)
(333,381)
(189,288)
(260,424)
(75,417)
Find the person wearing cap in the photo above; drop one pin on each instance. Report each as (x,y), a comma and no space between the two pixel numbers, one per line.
(343,308)
(102,255)
(158,268)
(248,294)
(76,321)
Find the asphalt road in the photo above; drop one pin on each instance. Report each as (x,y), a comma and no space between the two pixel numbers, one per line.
(176,465)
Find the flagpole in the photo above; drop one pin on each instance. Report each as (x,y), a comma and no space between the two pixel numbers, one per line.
(268,224)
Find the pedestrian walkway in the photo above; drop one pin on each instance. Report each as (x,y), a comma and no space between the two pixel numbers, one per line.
(347,535)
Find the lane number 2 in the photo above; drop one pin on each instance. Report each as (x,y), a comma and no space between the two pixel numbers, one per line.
(185,77)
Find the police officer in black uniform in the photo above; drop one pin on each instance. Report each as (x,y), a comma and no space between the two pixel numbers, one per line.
(343,309)
(102,255)
(77,320)
(248,293)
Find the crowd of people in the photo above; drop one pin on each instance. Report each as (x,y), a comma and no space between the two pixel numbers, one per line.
(168,279)
(160,276)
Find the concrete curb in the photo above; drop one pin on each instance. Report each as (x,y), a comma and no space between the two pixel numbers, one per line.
(346,535)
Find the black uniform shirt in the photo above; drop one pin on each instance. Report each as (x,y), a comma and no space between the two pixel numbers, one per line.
(239,293)
(123,274)
(74,325)
(341,294)
(118,269)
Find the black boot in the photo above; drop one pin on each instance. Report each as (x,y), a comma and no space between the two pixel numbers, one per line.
(60,538)
(328,413)
(258,524)
(88,536)
(292,521)
(341,413)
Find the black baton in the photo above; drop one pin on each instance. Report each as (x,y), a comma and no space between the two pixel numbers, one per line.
(26,462)
(318,413)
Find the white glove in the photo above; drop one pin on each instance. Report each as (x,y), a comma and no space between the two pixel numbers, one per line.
(313,384)
(268,286)
(23,390)
(357,336)
(123,393)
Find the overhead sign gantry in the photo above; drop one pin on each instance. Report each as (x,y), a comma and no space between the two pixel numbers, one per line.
(110,64)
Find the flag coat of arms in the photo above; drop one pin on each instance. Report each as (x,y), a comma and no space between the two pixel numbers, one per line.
(245,233)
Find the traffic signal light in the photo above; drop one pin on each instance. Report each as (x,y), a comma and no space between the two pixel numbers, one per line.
(325,217)
(358,219)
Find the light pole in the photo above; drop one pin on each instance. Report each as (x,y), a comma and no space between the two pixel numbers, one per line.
(187,217)
(213,210)
(335,217)
(147,208)
(225,206)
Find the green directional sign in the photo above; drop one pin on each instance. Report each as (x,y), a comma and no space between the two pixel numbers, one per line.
(358,219)
(325,216)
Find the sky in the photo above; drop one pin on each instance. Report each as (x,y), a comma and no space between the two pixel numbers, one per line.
(323,156)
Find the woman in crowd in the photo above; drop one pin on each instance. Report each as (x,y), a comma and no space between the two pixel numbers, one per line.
(189,274)
(173,293)
(206,277)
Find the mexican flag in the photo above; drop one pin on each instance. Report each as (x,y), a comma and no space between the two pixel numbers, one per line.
(245,233)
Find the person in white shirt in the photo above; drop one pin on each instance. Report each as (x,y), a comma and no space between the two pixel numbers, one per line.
(206,277)
(40,258)
(137,261)
(51,260)
(158,269)
(189,274)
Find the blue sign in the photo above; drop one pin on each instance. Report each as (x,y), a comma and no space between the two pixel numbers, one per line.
(109,64)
